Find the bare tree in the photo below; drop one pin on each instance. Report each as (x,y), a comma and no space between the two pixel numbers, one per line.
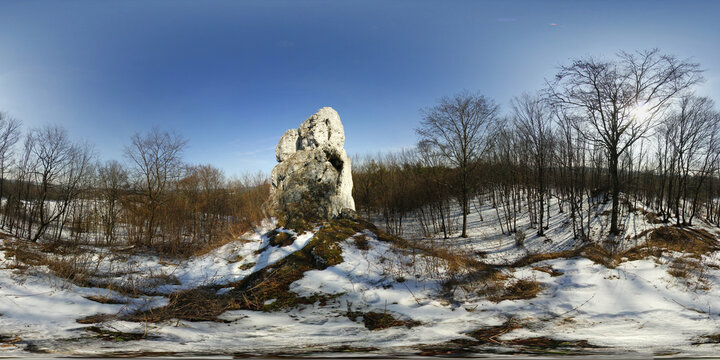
(459,128)
(9,136)
(113,181)
(620,99)
(59,167)
(156,162)
(691,132)
(534,122)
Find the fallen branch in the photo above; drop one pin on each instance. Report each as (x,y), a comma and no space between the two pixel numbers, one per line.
(573,309)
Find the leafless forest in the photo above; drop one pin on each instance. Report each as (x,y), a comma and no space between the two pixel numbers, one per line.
(627,130)
(57,190)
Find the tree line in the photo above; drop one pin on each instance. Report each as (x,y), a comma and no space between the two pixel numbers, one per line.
(54,190)
(627,130)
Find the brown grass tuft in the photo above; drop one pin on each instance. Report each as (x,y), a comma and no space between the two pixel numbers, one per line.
(103,299)
(693,242)
(491,334)
(361,242)
(96,319)
(546,343)
(548,270)
(379,321)
(280,239)
(519,290)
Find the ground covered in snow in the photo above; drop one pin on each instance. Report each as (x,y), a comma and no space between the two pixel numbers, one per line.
(348,286)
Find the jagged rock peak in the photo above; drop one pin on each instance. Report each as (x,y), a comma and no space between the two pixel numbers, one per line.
(313,177)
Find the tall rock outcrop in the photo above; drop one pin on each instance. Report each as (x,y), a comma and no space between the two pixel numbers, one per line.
(313,179)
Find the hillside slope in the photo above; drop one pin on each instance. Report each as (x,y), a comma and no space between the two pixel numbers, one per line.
(347,286)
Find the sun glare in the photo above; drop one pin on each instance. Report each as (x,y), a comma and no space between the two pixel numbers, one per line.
(640,112)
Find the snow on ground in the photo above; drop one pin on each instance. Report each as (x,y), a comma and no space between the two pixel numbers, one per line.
(38,306)
(228,263)
(485,233)
(637,306)
(233,261)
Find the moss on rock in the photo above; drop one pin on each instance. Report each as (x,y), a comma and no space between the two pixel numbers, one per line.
(258,288)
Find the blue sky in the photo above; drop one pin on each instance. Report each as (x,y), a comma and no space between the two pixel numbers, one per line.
(232,76)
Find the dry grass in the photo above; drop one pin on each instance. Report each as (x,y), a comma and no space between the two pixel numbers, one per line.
(200,304)
(361,242)
(73,267)
(548,270)
(116,336)
(103,299)
(521,289)
(252,293)
(708,339)
(247,266)
(546,343)
(689,241)
(534,258)
(220,241)
(693,242)
(457,261)
(378,321)
(492,333)
(690,272)
(592,251)
(491,336)
(651,217)
(96,319)
(280,239)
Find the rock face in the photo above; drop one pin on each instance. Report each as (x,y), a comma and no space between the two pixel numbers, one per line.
(313,178)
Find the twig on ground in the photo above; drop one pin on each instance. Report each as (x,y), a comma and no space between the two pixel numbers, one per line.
(573,309)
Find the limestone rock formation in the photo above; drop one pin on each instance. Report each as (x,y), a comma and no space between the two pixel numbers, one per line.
(313,178)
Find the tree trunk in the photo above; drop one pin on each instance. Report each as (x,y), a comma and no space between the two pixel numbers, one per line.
(615,183)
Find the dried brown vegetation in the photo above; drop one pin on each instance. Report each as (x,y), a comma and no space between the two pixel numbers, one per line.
(690,241)
(379,321)
(256,290)
(520,289)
